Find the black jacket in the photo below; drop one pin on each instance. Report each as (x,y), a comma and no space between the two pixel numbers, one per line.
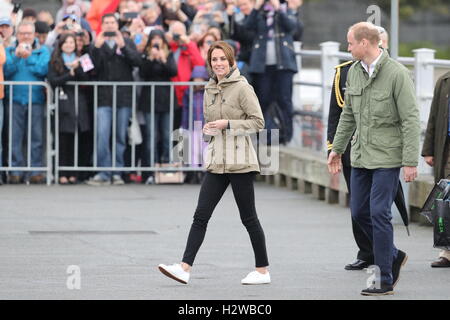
(115,65)
(66,108)
(157,71)
(285,24)
(336,105)
(244,36)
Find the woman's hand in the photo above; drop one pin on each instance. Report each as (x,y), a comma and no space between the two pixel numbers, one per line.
(219,124)
(213,128)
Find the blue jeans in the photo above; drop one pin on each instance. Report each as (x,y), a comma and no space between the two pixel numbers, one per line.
(19,130)
(161,134)
(104,132)
(373,192)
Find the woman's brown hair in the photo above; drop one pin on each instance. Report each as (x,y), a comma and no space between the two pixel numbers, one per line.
(227,50)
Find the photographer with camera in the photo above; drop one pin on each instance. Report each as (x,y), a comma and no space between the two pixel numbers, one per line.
(272,60)
(69,24)
(27,60)
(187,56)
(158,64)
(114,58)
(173,11)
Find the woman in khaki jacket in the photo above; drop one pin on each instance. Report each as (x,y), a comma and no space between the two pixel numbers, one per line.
(232,112)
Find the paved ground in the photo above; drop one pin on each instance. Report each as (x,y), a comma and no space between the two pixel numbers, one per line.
(118,235)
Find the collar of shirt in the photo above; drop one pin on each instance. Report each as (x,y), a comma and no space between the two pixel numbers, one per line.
(370,69)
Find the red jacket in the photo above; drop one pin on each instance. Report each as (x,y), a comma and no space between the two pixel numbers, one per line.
(189,58)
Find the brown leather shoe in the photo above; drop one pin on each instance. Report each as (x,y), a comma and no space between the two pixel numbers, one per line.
(441,263)
(14,179)
(38,179)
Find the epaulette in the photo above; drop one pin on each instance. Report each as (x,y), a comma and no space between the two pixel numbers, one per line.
(337,78)
(344,64)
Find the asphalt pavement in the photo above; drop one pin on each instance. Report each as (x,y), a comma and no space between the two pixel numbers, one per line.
(83,242)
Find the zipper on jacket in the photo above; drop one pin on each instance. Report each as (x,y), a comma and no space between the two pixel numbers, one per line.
(277,41)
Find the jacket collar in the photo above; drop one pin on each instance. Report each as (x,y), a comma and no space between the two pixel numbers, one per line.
(233,76)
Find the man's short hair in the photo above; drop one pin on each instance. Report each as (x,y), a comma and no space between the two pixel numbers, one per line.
(108,15)
(41,27)
(365,30)
(26,23)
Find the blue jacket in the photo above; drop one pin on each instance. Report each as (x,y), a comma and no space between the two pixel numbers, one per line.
(285,24)
(34,68)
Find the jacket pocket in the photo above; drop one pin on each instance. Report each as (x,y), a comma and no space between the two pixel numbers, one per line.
(354,96)
(209,163)
(380,104)
(386,137)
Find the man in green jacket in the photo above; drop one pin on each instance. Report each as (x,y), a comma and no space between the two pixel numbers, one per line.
(382,112)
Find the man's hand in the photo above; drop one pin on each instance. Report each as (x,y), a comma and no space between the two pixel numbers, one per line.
(184,39)
(429,160)
(409,173)
(100,40)
(334,163)
(119,40)
(275,4)
(259,4)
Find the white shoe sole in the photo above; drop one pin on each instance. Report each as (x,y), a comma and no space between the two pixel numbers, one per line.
(170,275)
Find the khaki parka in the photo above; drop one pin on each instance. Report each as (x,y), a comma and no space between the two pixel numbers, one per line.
(233,99)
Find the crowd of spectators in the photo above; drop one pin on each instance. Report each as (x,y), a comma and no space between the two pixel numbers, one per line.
(131,40)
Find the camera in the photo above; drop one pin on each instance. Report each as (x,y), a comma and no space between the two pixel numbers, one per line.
(130,15)
(68,27)
(156,46)
(110,34)
(26,46)
(17,4)
(176,37)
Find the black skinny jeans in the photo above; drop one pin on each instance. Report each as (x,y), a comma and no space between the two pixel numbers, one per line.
(212,189)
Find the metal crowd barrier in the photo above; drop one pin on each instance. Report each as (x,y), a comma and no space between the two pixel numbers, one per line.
(47,138)
(174,134)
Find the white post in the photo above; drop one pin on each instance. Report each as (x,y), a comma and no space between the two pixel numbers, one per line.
(424,81)
(296,98)
(329,61)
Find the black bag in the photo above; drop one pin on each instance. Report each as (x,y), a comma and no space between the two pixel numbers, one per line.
(441,222)
(438,192)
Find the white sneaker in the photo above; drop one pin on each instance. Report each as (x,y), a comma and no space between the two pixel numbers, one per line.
(175,271)
(256,277)
(97,180)
(117,180)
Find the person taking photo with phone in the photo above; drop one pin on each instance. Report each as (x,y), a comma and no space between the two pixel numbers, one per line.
(114,58)
(157,64)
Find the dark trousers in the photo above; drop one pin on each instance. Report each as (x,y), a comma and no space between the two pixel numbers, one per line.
(373,192)
(362,241)
(212,189)
(276,85)
(67,152)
